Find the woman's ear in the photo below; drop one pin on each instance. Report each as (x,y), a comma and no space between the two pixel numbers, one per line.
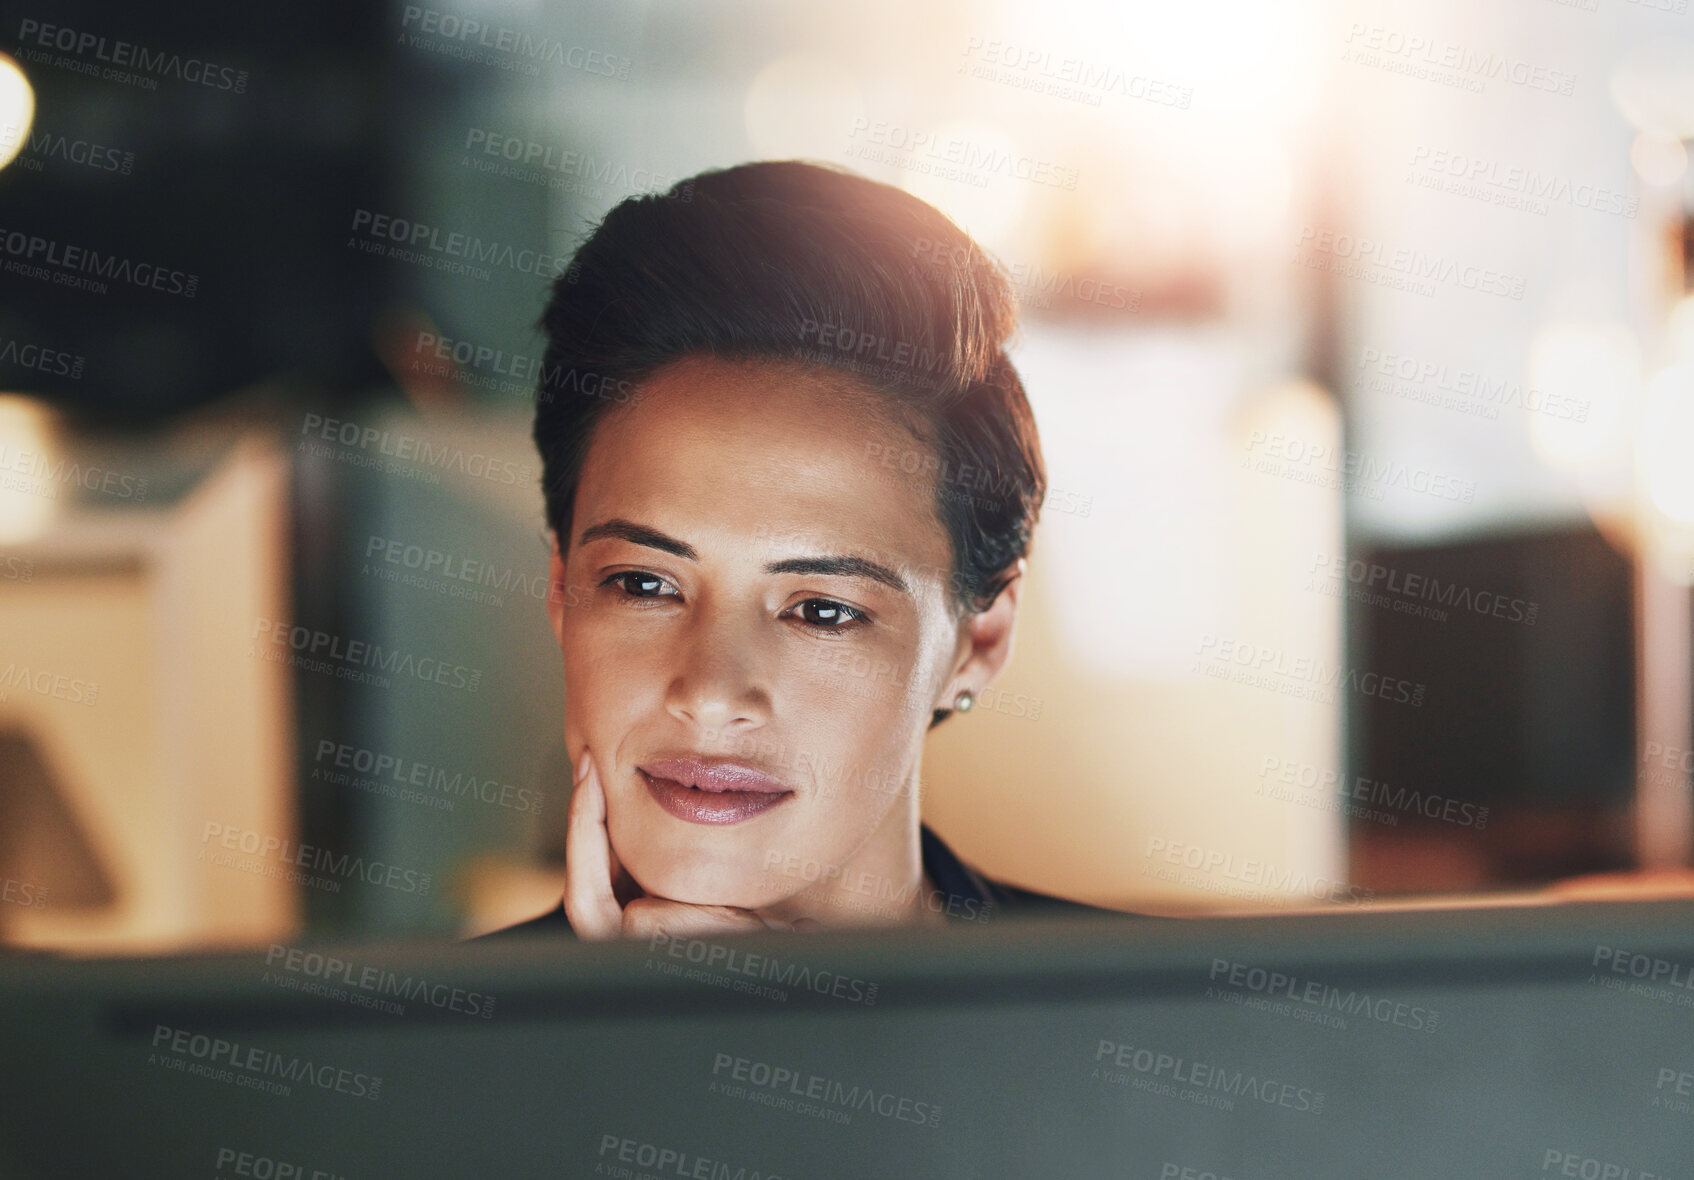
(986,643)
(556,590)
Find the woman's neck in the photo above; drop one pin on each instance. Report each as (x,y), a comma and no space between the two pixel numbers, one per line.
(881,884)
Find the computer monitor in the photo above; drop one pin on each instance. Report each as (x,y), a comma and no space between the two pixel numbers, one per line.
(1529,1041)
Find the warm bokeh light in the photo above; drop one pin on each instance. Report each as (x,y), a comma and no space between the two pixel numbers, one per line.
(1666,442)
(27,499)
(1592,364)
(1262,74)
(17,109)
(1336,320)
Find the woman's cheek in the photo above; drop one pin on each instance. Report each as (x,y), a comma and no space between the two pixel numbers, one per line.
(577,698)
(589,706)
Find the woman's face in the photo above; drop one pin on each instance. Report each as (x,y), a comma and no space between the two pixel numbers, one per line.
(751,598)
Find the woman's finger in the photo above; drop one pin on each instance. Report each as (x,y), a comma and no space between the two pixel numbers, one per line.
(624,888)
(593,911)
(648,917)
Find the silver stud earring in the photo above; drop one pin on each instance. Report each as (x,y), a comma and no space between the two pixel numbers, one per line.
(963,702)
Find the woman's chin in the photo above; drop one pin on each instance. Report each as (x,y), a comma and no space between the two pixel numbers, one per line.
(701,885)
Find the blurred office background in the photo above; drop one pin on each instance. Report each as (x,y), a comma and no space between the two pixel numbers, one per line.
(1358,335)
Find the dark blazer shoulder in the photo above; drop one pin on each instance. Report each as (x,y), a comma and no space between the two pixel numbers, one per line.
(553,922)
(974,896)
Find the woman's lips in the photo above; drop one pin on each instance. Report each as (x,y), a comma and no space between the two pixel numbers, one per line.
(711,793)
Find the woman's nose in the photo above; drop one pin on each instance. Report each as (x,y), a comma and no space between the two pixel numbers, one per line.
(718,682)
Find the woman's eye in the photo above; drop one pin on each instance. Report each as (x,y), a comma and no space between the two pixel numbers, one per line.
(826,613)
(638,585)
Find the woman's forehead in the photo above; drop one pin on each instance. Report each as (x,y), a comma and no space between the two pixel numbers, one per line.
(764,453)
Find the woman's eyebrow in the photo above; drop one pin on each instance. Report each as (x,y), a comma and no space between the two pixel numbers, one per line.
(638,534)
(827,566)
(842,567)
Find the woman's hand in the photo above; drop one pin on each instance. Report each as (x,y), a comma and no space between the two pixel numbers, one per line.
(595,881)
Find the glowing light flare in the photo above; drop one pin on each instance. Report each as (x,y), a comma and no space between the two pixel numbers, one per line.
(1251,61)
(17,109)
(1224,198)
(27,440)
(1595,368)
(1195,122)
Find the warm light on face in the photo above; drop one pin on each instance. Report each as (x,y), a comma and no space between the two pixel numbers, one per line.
(17,109)
(712,653)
